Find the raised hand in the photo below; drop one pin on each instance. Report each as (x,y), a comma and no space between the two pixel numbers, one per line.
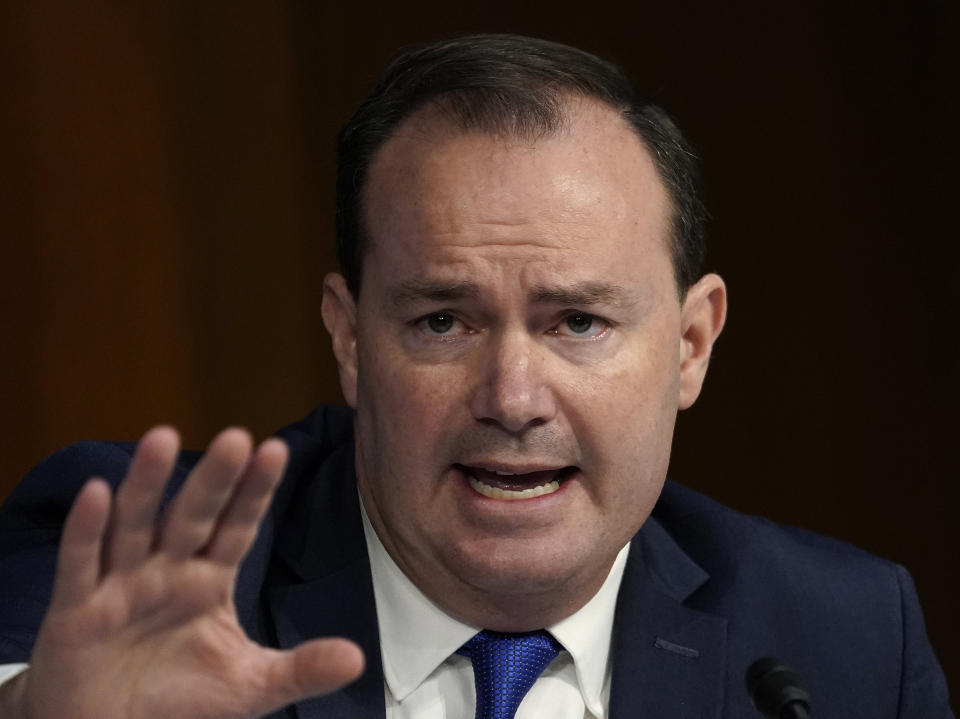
(142,624)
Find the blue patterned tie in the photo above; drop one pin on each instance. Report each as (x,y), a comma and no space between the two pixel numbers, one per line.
(505,666)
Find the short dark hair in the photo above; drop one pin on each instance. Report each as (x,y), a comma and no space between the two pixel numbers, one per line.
(509,84)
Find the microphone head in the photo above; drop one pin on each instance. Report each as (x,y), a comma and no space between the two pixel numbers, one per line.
(776,690)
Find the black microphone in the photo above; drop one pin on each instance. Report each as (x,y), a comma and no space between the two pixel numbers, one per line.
(776,690)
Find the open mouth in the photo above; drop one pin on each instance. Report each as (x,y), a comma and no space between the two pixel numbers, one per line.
(497,484)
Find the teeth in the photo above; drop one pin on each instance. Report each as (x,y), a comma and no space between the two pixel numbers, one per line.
(496,493)
(503,474)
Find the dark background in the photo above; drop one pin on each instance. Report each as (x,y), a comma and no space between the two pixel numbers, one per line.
(167,217)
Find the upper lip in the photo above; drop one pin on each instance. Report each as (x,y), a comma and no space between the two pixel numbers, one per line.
(513,467)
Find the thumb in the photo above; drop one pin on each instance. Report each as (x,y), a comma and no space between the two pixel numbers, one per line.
(313,668)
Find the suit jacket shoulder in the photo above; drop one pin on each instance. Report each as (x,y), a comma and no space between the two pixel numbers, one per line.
(30,523)
(740,588)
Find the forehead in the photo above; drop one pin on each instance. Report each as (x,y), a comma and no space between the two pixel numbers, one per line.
(438,197)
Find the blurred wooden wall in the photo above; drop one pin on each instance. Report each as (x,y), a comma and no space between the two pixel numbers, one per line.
(163,262)
(167,218)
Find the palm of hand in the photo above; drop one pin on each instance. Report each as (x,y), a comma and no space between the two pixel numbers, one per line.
(142,622)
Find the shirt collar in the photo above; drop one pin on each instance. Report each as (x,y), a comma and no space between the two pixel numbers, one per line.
(416,636)
(586,635)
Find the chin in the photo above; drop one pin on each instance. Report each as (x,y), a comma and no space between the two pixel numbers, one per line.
(515,569)
(509,595)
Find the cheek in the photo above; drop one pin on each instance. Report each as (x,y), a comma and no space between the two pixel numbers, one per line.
(639,387)
(624,413)
(407,405)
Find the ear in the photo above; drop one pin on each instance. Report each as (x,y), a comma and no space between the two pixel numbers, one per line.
(339,312)
(701,318)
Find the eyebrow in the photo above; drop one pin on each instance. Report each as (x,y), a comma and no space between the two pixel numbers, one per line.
(576,294)
(419,290)
(583,293)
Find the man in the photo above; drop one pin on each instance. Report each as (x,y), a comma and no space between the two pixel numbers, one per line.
(520,316)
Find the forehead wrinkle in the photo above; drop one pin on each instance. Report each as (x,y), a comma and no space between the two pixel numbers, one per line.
(481,243)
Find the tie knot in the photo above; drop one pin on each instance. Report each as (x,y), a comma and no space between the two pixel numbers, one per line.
(505,666)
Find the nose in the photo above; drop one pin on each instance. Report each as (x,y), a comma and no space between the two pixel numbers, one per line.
(512,390)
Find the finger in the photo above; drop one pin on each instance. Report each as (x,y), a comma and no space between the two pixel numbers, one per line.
(195,511)
(134,521)
(313,668)
(240,520)
(78,561)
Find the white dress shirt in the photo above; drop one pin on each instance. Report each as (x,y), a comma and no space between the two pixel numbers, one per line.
(425,679)
(9,671)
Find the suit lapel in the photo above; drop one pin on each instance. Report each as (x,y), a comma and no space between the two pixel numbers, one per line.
(342,606)
(668,660)
(326,588)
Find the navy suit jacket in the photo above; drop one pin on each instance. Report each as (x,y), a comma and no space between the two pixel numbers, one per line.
(705,592)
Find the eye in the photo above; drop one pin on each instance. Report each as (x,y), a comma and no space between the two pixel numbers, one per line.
(582,325)
(439,323)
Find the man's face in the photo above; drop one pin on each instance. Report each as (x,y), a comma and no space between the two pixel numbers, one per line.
(516,359)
